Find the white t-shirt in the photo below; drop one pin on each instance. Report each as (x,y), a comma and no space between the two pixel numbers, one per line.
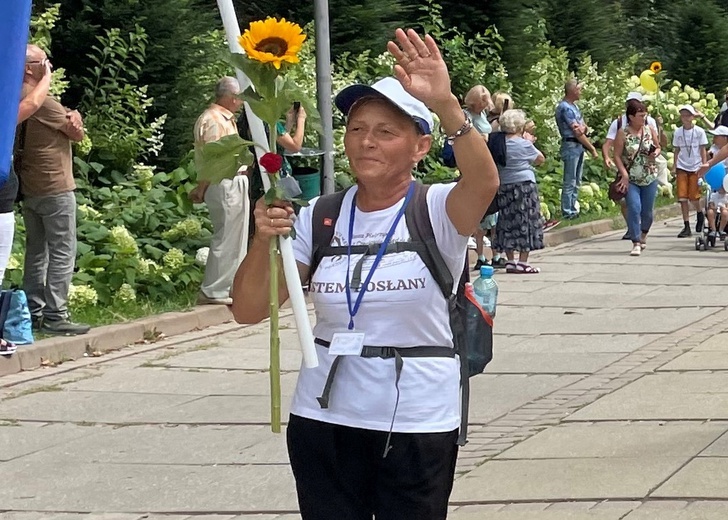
(719,199)
(690,143)
(612,132)
(403,307)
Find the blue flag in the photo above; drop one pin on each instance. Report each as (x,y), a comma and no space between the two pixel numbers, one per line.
(14,25)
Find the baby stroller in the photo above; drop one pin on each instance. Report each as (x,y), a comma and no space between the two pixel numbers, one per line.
(706,239)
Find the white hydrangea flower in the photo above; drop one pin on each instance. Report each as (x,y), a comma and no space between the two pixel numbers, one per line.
(201,256)
(123,240)
(173,259)
(80,296)
(188,228)
(125,294)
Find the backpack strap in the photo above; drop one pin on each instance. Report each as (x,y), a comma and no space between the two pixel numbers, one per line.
(419,224)
(325,214)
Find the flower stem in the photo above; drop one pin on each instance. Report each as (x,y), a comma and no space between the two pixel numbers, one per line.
(275,342)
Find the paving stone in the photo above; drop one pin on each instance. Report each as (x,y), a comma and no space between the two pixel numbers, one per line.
(718,449)
(535,515)
(719,342)
(19,440)
(710,360)
(234,359)
(184,382)
(663,396)
(715,512)
(621,440)
(146,487)
(495,395)
(555,363)
(701,478)
(224,409)
(197,445)
(87,407)
(601,321)
(565,479)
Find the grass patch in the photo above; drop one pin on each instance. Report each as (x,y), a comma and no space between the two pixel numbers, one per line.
(154,363)
(37,390)
(141,308)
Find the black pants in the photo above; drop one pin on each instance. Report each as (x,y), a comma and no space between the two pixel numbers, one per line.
(341,475)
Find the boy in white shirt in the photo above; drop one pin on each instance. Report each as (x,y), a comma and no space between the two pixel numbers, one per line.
(689,143)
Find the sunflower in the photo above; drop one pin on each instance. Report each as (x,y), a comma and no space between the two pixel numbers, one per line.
(655,66)
(273,41)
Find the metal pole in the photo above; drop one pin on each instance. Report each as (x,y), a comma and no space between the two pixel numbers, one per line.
(257,131)
(323,91)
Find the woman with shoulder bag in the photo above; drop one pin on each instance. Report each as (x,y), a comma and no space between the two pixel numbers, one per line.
(635,150)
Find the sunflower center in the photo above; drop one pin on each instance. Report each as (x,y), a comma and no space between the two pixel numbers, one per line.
(273,45)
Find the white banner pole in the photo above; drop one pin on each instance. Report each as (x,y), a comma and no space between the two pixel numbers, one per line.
(257,131)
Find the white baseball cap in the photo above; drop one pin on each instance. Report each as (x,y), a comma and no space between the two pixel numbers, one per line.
(719,130)
(392,90)
(689,108)
(634,95)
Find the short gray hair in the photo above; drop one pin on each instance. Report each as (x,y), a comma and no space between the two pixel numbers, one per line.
(512,121)
(570,85)
(227,86)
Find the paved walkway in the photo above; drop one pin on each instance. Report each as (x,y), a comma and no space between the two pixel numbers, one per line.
(608,399)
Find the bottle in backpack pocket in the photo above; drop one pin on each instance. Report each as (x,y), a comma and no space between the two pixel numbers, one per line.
(480,297)
(486,290)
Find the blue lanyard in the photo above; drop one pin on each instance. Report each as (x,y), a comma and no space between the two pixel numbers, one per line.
(353,310)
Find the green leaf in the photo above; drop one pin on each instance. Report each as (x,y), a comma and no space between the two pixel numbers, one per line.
(222,159)
(82,248)
(273,194)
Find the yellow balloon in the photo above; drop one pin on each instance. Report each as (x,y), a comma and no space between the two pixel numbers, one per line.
(647,80)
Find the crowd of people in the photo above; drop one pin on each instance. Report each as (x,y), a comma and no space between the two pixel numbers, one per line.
(632,149)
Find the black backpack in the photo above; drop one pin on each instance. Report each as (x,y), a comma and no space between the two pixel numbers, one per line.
(472,328)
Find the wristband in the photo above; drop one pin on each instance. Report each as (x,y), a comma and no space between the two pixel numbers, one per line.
(467,127)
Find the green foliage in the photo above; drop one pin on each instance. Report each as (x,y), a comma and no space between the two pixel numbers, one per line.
(471,60)
(115,107)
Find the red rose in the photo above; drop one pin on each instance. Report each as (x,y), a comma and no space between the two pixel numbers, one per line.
(272,162)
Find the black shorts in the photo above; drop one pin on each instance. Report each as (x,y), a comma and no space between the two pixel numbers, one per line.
(341,475)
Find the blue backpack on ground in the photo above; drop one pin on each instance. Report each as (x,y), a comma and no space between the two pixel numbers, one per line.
(16,325)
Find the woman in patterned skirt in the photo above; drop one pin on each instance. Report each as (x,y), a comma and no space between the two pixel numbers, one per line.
(520,225)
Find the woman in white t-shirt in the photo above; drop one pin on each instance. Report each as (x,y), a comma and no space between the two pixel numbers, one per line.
(340,449)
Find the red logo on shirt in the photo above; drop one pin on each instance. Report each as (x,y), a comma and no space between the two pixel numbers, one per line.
(328,222)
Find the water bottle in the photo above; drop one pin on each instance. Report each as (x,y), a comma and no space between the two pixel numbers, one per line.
(486,290)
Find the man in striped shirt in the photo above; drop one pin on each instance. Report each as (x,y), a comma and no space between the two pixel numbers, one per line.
(227,202)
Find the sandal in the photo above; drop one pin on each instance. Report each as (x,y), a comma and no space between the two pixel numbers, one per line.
(7,348)
(521,268)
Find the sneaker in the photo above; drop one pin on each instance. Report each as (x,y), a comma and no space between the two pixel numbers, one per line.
(636,250)
(699,222)
(63,327)
(685,233)
(479,264)
(626,236)
(205,300)
(722,235)
(712,234)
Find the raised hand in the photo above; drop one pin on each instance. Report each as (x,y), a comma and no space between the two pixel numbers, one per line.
(420,68)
